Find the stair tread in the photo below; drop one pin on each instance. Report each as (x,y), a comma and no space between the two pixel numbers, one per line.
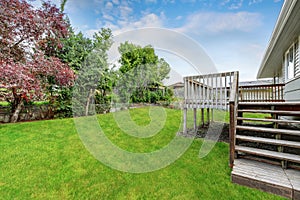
(270,130)
(269,141)
(294,103)
(283,112)
(267,153)
(269,120)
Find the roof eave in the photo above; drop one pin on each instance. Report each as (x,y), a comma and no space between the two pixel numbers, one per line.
(284,15)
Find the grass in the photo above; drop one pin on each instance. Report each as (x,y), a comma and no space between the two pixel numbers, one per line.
(47,160)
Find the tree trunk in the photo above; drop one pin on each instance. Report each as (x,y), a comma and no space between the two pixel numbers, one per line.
(88,102)
(16,105)
(15,116)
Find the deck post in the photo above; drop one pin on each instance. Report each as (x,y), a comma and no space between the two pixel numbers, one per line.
(232,131)
(195,119)
(185,120)
(233,104)
(202,117)
(208,116)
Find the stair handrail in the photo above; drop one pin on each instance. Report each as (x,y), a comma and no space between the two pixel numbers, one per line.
(233,104)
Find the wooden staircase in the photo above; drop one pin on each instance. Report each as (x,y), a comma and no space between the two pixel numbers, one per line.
(268,143)
(265,151)
(270,138)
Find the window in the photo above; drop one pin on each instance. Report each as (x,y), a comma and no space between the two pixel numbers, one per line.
(290,63)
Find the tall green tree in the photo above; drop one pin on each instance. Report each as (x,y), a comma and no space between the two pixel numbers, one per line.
(62,5)
(141,72)
(88,57)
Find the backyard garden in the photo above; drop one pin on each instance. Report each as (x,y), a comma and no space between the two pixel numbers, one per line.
(44,64)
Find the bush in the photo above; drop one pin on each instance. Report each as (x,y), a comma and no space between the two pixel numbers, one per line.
(103,103)
(62,103)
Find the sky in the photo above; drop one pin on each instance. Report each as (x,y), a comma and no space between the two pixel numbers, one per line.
(233,33)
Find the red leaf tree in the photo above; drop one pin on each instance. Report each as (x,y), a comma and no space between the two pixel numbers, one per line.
(28,40)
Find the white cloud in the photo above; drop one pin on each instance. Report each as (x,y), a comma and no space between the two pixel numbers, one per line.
(75,6)
(168,1)
(109,5)
(125,11)
(108,17)
(116,2)
(236,5)
(149,20)
(232,4)
(178,17)
(217,23)
(254,2)
(188,1)
(224,2)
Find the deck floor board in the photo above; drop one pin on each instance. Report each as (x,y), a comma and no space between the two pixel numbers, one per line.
(266,177)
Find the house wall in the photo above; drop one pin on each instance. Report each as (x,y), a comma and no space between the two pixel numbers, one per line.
(292,90)
(292,87)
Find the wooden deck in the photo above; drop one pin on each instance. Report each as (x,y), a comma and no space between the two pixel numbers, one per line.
(265,151)
(268,178)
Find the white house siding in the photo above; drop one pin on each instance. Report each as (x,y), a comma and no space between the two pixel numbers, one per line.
(297,63)
(292,87)
(292,90)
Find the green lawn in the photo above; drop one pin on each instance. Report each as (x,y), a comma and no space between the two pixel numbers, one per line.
(47,160)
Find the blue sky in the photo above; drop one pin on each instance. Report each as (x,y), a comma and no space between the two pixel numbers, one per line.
(234,33)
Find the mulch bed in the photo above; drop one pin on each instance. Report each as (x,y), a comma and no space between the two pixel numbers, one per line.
(214,127)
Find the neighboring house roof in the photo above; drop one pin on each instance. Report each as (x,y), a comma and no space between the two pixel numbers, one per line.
(286,31)
(253,83)
(176,85)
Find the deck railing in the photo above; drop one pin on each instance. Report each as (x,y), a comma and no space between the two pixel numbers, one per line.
(208,91)
(262,93)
